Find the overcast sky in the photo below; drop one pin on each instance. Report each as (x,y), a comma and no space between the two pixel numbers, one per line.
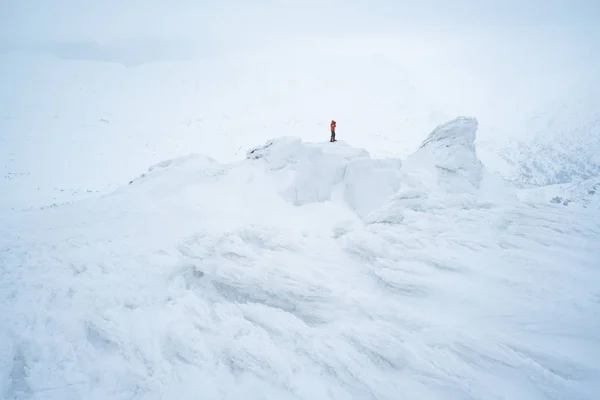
(66,19)
(486,56)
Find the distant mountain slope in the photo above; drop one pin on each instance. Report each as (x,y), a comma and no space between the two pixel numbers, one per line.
(562,142)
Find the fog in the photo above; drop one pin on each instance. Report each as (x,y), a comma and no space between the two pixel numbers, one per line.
(490,49)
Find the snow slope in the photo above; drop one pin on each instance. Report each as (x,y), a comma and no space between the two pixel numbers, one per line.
(584,194)
(560,143)
(306,270)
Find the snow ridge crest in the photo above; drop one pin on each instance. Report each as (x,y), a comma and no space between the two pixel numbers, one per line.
(450,149)
(459,131)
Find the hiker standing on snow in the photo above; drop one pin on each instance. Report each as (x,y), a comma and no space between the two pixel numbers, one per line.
(332,131)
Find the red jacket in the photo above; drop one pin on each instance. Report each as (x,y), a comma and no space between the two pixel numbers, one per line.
(332,126)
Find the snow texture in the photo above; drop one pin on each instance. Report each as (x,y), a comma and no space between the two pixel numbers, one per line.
(316,173)
(305,271)
(585,194)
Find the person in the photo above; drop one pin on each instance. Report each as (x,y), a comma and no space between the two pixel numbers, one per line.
(333,124)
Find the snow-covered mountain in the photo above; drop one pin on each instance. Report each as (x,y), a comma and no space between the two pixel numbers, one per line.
(269,263)
(305,270)
(560,142)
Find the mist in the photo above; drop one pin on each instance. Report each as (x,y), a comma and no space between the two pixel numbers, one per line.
(489,48)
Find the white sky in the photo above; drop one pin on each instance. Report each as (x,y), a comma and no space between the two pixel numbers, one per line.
(486,58)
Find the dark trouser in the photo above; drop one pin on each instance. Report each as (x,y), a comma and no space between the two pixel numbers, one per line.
(332,136)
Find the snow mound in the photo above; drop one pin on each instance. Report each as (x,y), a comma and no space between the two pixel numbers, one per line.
(321,172)
(450,148)
(197,164)
(444,172)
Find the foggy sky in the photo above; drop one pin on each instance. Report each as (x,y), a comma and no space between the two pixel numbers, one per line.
(489,56)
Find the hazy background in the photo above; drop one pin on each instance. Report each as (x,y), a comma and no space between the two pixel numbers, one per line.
(92,93)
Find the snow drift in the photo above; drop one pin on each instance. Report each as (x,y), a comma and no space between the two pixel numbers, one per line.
(305,271)
(444,172)
(316,173)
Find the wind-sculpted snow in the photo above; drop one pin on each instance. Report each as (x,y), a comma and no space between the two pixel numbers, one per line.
(450,148)
(271,279)
(584,194)
(313,173)
(444,172)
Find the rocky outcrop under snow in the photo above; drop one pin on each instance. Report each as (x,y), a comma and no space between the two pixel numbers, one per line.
(444,172)
(319,172)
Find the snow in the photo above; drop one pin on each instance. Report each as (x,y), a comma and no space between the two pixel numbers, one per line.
(445,172)
(306,270)
(583,194)
(560,141)
(317,173)
(175,225)
(82,114)
(450,148)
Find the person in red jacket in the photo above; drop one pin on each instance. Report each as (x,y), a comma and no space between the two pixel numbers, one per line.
(332,131)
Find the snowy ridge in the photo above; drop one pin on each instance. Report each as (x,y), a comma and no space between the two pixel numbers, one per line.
(317,173)
(273,278)
(212,112)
